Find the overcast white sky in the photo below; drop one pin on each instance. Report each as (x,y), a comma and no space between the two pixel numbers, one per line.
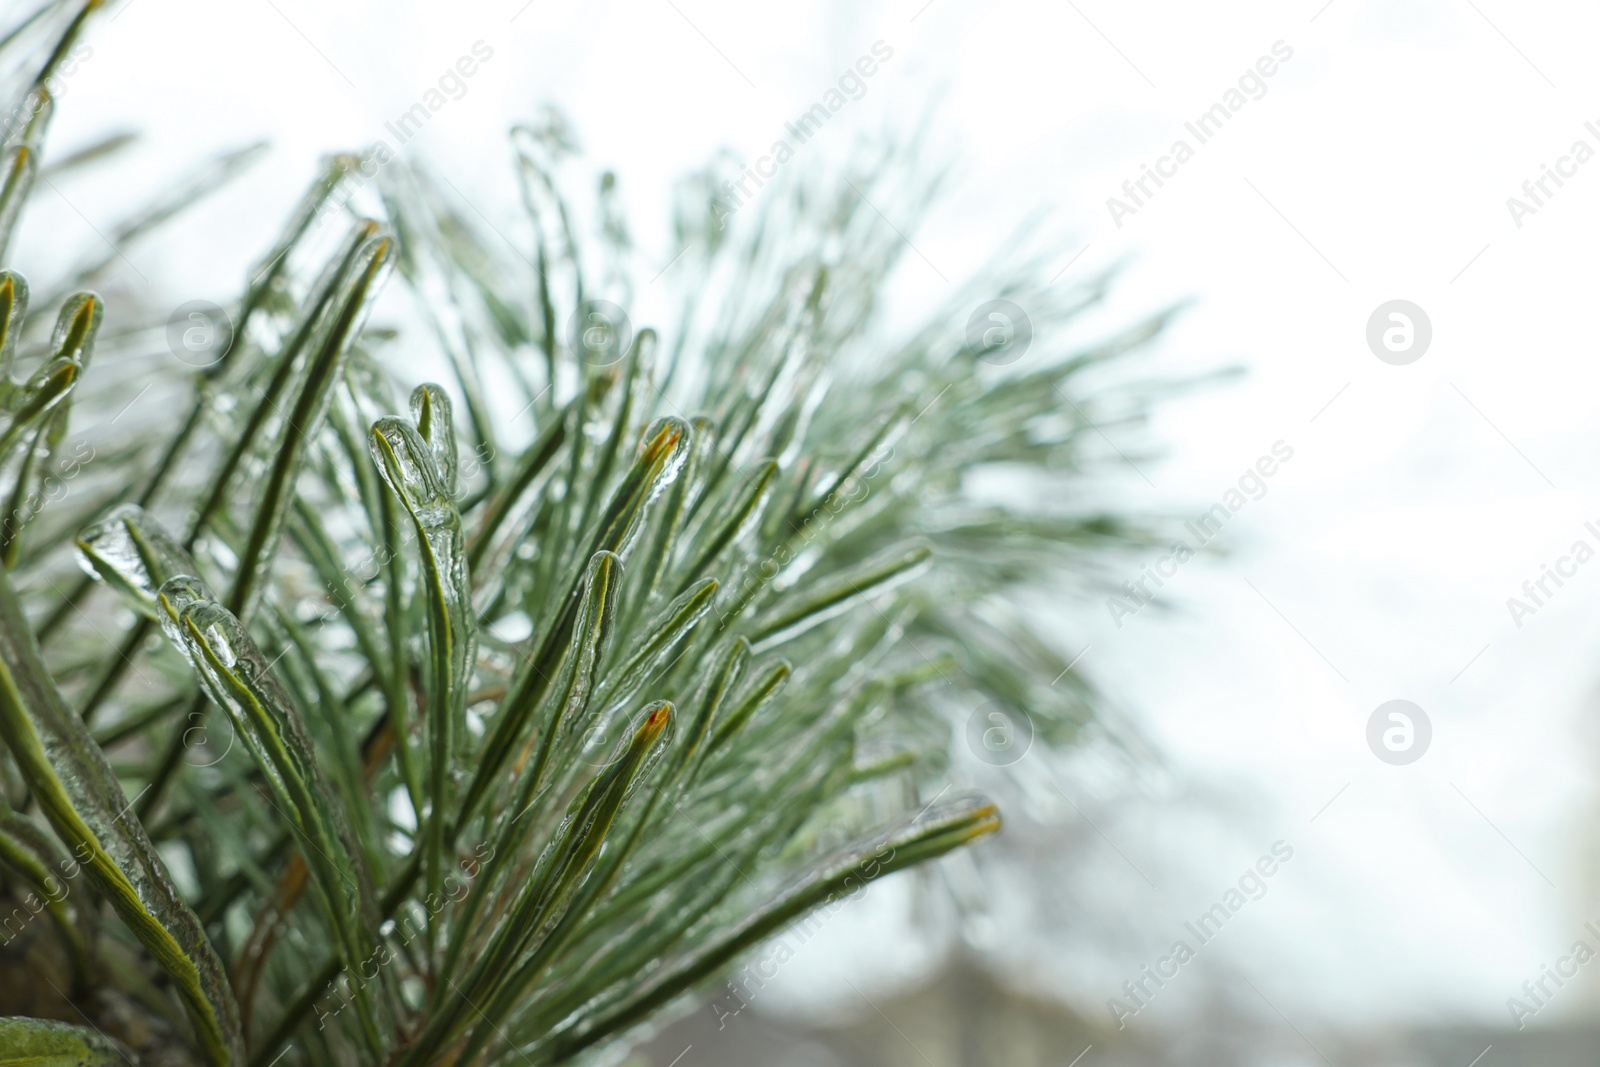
(1375,166)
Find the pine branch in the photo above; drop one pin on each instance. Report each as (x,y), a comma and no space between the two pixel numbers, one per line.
(505,735)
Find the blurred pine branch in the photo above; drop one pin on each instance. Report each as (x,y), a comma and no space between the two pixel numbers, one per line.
(493,718)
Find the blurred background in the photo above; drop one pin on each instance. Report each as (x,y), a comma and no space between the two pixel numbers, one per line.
(1339,900)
